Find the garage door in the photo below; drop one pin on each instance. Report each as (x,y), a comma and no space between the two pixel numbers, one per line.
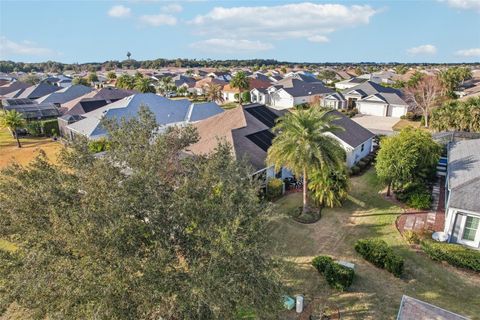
(373,109)
(397,112)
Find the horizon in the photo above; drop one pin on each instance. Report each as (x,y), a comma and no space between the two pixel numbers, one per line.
(434,32)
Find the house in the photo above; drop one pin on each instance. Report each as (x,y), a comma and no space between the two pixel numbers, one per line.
(65,94)
(373,99)
(356,140)
(60,81)
(229,92)
(30,109)
(37,91)
(462,208)
(166,111)
(181,80)
(349,83)
(14,86)
(248,130)
(334,101)
(292,91)
(199,88)
(78,105)
(220,75)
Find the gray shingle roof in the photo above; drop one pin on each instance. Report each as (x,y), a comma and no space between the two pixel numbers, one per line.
(66,94)
(354,134)
(370,87)
(39,90)
(166,112)
(301,88)
(464,174)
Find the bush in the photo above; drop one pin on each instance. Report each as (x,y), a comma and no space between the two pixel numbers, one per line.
(338,276)
(34,128)
(454,254)
(380,254)
(355,170)
(274,188)
(362,164)
(50,127)
(321,262)
(420,200)
(415,195)
(411,237)
(246,96)
(96,146)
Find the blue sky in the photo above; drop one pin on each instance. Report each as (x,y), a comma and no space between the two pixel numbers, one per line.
(297,31)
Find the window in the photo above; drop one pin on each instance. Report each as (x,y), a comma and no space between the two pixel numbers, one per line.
(363,147)
(470,230)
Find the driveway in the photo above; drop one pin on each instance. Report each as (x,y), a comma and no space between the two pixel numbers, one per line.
(377,124)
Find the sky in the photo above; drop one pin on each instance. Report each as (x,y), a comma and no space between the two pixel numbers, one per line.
(72,31)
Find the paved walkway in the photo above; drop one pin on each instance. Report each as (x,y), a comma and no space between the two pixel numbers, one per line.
(433,220)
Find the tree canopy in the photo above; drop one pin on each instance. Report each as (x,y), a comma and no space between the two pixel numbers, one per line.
(409,156)
(140,233)
(457,116)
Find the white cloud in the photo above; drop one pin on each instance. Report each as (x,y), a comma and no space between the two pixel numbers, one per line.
(229,46)
(474,52)
(156,20)
(172,8)
(9,48)
(320,39)
(424,49)
(300,20)
(464,4)
(119,11)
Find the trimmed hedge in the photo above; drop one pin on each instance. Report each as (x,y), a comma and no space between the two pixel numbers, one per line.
(454,254)
(381,255)
(321,263)
(336,275)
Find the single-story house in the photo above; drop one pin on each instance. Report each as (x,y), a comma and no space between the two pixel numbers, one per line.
(229,92)
(37,91)
(13,86)
(370,98)
(30,109)
(201,84)
(166,111)
(414,309)
(334,100)
(65,94)
(220,75)
(462,208)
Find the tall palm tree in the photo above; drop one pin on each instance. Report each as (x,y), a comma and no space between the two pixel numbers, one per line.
(213,92)
(240,81)
(302,144)
(12,120)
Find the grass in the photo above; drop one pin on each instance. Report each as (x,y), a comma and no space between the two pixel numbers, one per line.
(375,293)
(9,152)
(403,123)
(7,245)
(229,105)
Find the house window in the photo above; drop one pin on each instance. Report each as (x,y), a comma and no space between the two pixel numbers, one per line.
(363,147)
(470,230)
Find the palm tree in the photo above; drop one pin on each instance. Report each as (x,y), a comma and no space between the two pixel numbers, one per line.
(12,120)
(213,92)
(240,81)
(301,144)
(329,187)
(144,85)
(128,55)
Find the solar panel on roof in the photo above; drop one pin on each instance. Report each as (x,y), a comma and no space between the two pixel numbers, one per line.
(264,115)
(263,139)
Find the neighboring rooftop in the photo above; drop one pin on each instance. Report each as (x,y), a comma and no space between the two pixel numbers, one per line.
(353,133)
(414,309)
(65,94)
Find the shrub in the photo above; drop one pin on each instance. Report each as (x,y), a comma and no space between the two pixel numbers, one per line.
(454,254)
(362,164)
(274,188)
(355,170)
(50,127)
(96,146)
(246,96)
(420,200)
(380,254)
(338,276)
(321,262)
(411,237)
(34,128)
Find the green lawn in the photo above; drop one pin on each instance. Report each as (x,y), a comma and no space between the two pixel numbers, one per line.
(229,105)
(375,293)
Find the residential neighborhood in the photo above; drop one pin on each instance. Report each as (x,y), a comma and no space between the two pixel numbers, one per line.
(196,181)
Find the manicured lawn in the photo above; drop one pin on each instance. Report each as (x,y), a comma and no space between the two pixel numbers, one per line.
(229,105)
(30,148)
(375,293)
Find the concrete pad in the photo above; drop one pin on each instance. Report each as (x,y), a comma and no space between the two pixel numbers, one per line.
(376,124)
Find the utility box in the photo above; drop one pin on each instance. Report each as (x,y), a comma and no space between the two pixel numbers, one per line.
(299,304)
